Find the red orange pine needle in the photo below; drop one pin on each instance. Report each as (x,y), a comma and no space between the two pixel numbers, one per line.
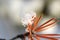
(42,26)
(33,28)
(50,38)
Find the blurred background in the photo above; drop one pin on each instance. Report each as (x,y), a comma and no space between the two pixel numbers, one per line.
(13,12)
